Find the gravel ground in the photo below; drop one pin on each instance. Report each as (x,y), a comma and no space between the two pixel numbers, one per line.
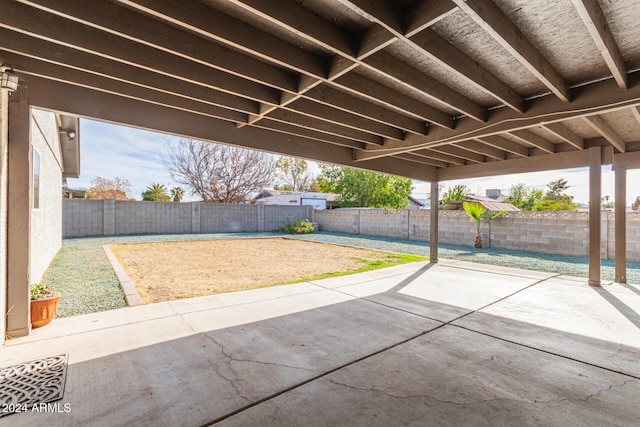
(83,276)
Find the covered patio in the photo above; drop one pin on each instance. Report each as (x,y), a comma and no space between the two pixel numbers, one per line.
(447,344)
(433,90)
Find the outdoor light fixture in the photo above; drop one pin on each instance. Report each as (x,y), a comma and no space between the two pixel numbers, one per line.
(71,134)
(9,79)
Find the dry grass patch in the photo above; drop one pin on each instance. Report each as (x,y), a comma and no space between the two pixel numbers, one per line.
(174,270)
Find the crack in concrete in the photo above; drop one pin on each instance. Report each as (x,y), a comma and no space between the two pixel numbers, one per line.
(481,401)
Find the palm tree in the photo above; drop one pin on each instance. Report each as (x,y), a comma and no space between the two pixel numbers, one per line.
(156,193)
(477,213)
(177,193)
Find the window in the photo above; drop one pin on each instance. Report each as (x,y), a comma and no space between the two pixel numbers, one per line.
(36,179)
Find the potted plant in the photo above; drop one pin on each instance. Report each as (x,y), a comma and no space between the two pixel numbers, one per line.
(44,305)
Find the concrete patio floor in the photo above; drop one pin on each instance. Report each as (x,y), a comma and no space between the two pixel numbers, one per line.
(449,344)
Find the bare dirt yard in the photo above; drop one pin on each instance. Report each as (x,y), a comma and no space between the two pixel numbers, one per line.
(174,270)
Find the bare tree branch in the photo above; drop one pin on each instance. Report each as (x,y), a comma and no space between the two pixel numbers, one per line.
(218,173)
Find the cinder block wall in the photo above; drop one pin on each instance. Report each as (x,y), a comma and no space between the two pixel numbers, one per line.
(83,218)
(338,221)
(276,216)
(633,236)
(152,218)
(562,233)
(391,223)
(419,225)
(219,218)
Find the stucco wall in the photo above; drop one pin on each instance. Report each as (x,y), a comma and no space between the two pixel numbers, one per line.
(46,221)
(4,145)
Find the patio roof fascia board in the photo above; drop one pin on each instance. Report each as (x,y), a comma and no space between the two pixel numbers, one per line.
(629,160)
(83,102)
(566,160)
(588,100)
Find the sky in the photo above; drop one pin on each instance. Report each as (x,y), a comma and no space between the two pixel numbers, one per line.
(109,151)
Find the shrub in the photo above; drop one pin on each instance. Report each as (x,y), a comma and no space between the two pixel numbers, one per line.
(302,226)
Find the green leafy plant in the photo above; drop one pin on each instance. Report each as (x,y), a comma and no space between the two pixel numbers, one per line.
(476,214)
(458,192)
(302,226)
(41,291)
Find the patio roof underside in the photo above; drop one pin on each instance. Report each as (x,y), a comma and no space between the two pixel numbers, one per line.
(429,89)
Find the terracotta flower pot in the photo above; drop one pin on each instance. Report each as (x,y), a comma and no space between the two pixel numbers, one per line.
(43,311)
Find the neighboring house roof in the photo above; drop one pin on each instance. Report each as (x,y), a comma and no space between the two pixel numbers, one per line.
(331,197)
(487,199)
(491,205)
(416,202)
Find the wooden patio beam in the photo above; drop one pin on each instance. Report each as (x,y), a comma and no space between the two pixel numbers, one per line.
(566,160)
(595,22)
(534,139)
(595,98)
(595,212)
(483,149)
(620,223)
(565,134)
(486,14)
(426,14)
(428,43)
(459,152)
(88,103)
(501,143)
(607,132)
(433,223)
(315,29)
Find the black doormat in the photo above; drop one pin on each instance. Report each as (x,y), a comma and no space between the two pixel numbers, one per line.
(32,384)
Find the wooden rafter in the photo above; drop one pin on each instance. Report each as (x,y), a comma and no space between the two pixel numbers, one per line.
(607,132)
(593,18)
(601,97)
(565,134)
(486,14)
(342,74)
(429,44)
(426,14)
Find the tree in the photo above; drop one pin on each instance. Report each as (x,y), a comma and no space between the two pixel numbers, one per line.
(524,198)
(555,199)
(292,174)
(177,194)
(557,189)
(104,188)
(155,193)
(458,192)
(477,213)
(556,205)
(218,173)
(359,188)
